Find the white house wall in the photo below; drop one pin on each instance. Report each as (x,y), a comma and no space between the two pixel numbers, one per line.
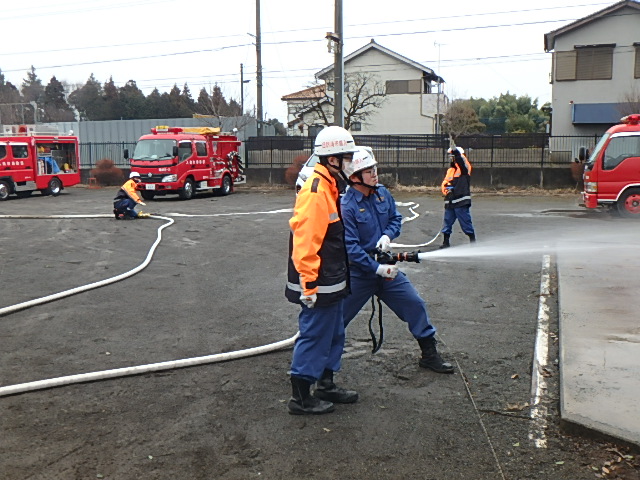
(621,29)
(400,113)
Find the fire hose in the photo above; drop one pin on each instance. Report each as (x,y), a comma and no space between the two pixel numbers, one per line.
(385,257)
(126,371)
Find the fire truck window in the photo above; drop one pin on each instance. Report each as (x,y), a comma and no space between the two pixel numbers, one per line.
(19,151)
(3,151)
(201,149)
(619,149)
(184,150)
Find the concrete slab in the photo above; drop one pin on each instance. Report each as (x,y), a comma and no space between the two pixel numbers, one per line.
(600,341)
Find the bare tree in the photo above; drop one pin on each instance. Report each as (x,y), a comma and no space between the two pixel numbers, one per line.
(461,119)
(364,94)
(630,102)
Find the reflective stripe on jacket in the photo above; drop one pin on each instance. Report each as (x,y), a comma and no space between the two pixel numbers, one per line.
(317,256)
(456,186)
(128,190)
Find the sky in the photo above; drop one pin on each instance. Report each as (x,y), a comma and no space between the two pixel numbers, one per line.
(480,49)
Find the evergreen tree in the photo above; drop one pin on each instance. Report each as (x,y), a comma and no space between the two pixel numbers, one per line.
(219,105)
(203,105)
(132,102)
(509,113)
(88,100)
(10,113)
(187,100)
(112,108)
(54,104)
(32,91)
(157,104)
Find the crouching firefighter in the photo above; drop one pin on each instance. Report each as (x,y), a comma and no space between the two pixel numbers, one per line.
(127,198)
(371,221)
(317,279)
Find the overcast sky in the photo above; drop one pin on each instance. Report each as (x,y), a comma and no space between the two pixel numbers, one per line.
(481,49)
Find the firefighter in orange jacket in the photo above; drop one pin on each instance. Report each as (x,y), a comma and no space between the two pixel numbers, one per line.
(318,279)
(456,188)
(127,198)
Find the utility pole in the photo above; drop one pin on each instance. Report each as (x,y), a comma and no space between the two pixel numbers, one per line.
(242,82)
(439,92)
(259,68)
(338,68)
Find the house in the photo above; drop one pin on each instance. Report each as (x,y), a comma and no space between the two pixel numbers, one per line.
(595,70)
(409,95)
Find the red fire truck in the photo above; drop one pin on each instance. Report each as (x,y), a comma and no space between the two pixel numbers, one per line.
(612,171)
(35,157)
(183,160)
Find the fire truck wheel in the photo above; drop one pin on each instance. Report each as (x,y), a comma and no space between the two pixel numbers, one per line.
(227,186)
(5,190)
(54,188)
(186,193)
(148,195)
(628,204)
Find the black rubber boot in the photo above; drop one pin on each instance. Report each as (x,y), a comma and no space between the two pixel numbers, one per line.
(431,358)
(303,403)
(327,390)
(445,242)
(116,214)
(472,237)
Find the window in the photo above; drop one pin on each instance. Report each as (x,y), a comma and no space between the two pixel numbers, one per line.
(201,149)
(3,151)
(619,149)
(184,150)
(636,67)
(565,65)
(356,126)
(19,151)
(403,86)
(589,62)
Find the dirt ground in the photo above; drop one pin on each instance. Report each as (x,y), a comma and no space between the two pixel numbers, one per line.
(216,284)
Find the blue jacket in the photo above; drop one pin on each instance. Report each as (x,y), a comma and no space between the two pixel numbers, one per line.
(365,220)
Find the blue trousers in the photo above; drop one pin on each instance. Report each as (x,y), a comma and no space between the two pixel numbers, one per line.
(463,215)
(320,343)
(398,294)
(126,206)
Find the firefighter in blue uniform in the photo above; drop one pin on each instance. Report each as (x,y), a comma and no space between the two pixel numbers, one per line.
(371,221)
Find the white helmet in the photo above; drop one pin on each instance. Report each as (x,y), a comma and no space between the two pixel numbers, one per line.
(134,174)
(362,159)
(334,140)
(451,150)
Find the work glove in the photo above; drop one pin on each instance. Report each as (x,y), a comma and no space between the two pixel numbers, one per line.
(143,204)
(309,301)
(383,243)
(387,271)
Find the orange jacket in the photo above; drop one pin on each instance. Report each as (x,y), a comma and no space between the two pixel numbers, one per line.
(454,172)
(318,261)
(130,189)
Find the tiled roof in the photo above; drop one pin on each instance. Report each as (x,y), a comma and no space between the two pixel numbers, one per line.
(315,92)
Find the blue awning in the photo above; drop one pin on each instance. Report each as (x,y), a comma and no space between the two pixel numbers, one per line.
(598,113)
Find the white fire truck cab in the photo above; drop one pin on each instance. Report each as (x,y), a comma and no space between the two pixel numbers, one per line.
(36,157)
(184,160)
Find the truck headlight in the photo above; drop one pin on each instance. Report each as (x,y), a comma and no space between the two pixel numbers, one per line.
(591,187)
(169,178)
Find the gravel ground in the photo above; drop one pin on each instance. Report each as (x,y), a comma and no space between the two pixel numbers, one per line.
(216,284)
